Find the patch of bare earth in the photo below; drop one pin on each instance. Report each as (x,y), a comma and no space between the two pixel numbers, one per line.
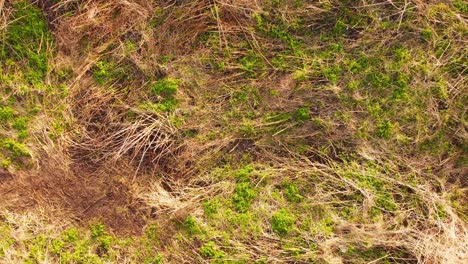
(81,195)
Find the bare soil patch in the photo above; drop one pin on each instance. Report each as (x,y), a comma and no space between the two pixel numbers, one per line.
(83,196)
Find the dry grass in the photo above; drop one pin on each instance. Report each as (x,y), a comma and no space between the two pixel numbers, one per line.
(246,70)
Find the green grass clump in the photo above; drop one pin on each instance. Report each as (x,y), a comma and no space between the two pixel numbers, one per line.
(20,124)
(282,222)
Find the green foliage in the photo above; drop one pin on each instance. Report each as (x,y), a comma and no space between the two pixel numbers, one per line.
(20,124)
(332,73)
(461,5)
(282,222)
(243,174)
(384,129)
(379,80)
(154,259)
(333,66)
(244,225)
(291,192)
(339,28)
(166,87)
(166,90)
(402,54)
(252,64)
(6,113)
(97,230)
(211,207)
(5,163)
(27,39)
(106,71)
(302,114)
(101,238)
(16,148)
(243,196)
(211,250)
(427,34)
(191,225)
(385,201)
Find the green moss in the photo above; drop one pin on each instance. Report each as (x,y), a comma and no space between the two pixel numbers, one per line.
(154,259)
(166,87)
(243,174)
(332,73)
(16,148)
(191,225)
(302,114)
(6,113)
(427,34)
(252,64)
(385,201)
(461,5)
(379,80)
(211,250)
(244,225)
(166,90)
(5,163)
(282,222)
(27,40)
(291,192)
(243,196)
(384,129)
(211,207)
(359,254)
(106,71)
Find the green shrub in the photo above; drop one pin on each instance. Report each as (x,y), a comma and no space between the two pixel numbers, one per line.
(20,124)
(97,230)
(282,222)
